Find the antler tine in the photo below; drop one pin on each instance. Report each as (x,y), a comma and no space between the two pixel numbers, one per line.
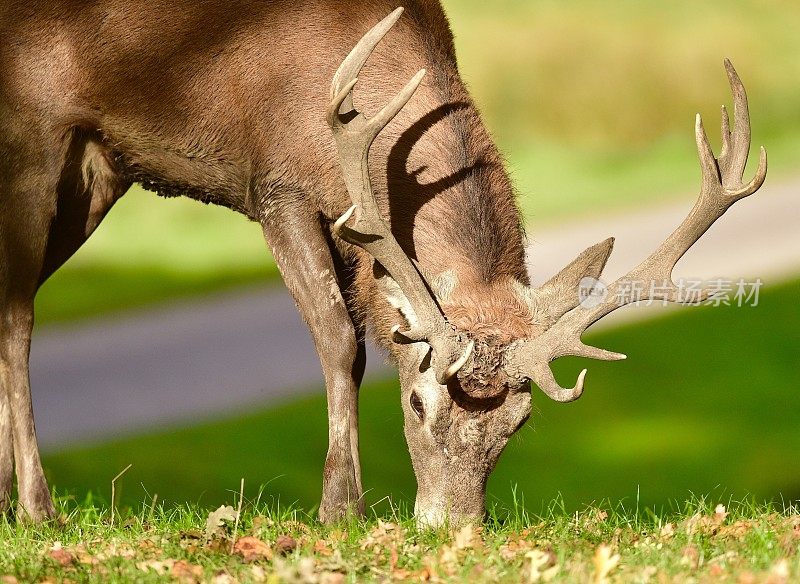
(350,68)
(542,376)
(721,187)
(354,135)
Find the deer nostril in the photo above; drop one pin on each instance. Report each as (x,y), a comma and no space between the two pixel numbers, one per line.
(416,405)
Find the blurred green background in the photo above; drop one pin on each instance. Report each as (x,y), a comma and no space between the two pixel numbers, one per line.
(593,105)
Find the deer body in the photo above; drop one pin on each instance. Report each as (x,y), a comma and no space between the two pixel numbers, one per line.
(416,235)
(225,102)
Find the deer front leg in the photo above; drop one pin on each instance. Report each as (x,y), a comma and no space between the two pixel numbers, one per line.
(307,261)
(6,453)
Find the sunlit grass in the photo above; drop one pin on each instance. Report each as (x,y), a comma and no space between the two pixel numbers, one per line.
(698,540)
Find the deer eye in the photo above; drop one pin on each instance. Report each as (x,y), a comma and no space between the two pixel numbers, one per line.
(416,405)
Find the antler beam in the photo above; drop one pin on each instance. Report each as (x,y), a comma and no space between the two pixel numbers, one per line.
(354,135)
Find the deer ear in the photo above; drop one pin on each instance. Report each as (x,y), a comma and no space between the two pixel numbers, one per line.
(560,293)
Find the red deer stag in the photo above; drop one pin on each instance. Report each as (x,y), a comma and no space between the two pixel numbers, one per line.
(404,221)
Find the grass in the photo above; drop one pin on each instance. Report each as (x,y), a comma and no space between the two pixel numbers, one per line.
(706,403)
(592,103)
(744,542)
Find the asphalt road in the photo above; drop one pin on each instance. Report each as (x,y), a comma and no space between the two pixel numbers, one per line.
(192,361)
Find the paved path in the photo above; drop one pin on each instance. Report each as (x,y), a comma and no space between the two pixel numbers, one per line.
(181,363)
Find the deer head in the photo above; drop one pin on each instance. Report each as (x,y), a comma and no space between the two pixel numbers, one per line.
(464,395)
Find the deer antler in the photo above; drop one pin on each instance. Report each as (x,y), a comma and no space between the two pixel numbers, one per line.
(722,186)
(354,135)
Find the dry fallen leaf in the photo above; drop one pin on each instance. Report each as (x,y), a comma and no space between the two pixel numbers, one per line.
(542,565)
(516,544)
(604,562)
(667,531)
(323,548)
(216,520)
(183,571)
(331,578)
(779,572)
(647,574)
(383,536)
(160,567)
(737,530)
(252,549)
(80,553)
(468,537)
(60,555)
(9,580)
(257,574)
(285,545)
(706,525)
(448,560)
(224,578)
(720,514)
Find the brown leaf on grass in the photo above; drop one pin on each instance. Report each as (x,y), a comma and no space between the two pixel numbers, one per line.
(331,578)
(541,565)
(148,545)
(667,532)
(706,524)
(790,539)
(720,514)
(323,548)
(716,571)
(252,549)
(257,574)
(60,555)
(383,536)
(160,567)
(285,545)
(779,572)
(215,524)
(737,530)
(449,560)
(116,549)
(604,561)
(83,556)
(183,571)
(423,575)
(468,537)
(747,577)
(646,574)
(8,580)
(516,544)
